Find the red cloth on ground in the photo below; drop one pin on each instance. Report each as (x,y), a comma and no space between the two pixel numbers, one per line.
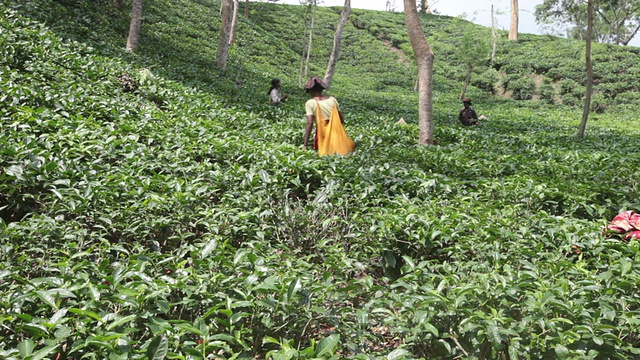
(626,224)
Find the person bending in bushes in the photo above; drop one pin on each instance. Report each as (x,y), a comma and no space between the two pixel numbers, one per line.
(467,115)
(275,97)
(330,138)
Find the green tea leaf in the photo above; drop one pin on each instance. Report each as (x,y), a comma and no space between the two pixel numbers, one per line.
(326,345)
(294,286)
(561,351)
(158,348)
(44,352)
(26,347)
(208,248)
(398,354)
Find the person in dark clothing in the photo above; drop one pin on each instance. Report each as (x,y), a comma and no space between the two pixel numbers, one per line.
(467,115)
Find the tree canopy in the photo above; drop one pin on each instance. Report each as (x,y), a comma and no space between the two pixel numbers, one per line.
(616,21)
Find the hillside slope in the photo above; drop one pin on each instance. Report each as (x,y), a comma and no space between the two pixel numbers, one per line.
(181,220)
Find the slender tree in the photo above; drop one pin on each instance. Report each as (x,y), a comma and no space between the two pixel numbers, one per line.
(313,5)
(390,5)
(301,74)
(225,35)
(513,28)
(426,6)
(134,27)
(494,35)
(587,96)
(234,21)
(246,9)
(117,4)
(337,38)
(424,57)
(473,51)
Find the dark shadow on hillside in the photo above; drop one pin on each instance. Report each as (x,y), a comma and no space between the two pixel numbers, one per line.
(167,49)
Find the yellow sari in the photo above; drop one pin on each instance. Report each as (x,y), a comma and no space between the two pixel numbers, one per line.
(330,134)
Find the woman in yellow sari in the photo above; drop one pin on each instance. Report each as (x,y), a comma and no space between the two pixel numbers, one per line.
(330,138)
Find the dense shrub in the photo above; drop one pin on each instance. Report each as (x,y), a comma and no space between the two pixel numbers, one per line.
(571,91)
(486,80)
(628,99)
(180,219)
(522,87)
(547,91)
(599,103)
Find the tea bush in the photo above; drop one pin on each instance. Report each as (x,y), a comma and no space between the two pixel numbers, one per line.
(181,220)
(522,88)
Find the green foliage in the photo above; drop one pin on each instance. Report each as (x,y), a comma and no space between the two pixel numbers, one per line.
(522,87)
(486,81)
(547,91)
(572,92)
(180,220)
(614,21)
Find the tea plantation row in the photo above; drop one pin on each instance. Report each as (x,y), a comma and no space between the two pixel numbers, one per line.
(175,222)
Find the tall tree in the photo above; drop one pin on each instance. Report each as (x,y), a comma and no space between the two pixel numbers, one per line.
(306,54)
(337,38)
(426,6)
(234,21)
(587,96)
(615,21)
(513,28)
(134,27)
(494,35)
(622,19)
(424,57)
(246,9)
(225,35)
(390,5)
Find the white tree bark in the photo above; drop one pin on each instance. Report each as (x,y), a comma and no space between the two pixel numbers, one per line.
(337,38)
(234,21)
(494,36)
(310,43)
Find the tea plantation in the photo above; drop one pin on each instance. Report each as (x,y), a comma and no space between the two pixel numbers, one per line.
(178,218)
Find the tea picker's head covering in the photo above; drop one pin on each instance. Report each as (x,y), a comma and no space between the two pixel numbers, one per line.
(275,82)
(466,100)
(315,83)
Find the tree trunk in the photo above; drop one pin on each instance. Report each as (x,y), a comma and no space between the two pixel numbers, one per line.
(134,27)
(117,4)
(301,79)
(225,34)
(424,5)
(309,45)
(513,29)
(587,96)
(467,80)
(424,57)
(494,36)
(246,9)
(337,38)
(234,22)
